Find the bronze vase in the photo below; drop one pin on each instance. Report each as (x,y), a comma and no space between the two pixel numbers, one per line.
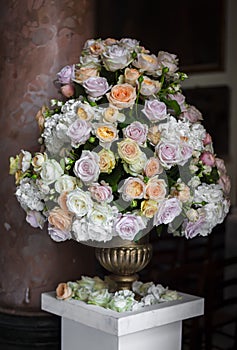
(124,259)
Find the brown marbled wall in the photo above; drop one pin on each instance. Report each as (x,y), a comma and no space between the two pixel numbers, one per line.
(38,37)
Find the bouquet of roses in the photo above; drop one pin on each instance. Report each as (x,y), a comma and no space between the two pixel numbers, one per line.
(122,152)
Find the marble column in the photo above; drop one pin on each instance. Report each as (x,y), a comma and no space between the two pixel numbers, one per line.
(38,38)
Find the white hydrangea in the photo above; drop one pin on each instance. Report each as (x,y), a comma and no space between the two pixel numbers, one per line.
(29,195)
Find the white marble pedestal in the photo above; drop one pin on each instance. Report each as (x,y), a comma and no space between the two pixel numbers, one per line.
(89,327)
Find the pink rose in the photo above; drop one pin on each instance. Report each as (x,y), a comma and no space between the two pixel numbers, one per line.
(137,132)
(155,110)
(96,86)
(128,225)
(65,75)
(208,158)
(224,182)
(87,167)
(67,90)
(101,193)
(168,210)
(220,166)
(207,140)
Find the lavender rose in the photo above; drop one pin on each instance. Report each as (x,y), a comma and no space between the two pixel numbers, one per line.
(35,218)
(116,57)
(128,226)
(96,86)
(87,167)
(137,132)
(101,193)
(168,154)
(193,228)
(168,210)
(180,99)
(155,110)
(192,114)
(65,75)
(166,59)
(58,235)
(79,132)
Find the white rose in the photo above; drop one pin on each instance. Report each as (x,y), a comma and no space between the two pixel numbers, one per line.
(79,202)
(65,183)
(51,171)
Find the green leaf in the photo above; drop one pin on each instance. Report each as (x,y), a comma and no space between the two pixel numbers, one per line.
(172,104)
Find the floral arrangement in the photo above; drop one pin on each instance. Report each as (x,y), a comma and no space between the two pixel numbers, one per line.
(121,152)
(95,291)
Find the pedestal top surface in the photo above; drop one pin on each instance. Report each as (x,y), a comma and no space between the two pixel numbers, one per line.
(123,323)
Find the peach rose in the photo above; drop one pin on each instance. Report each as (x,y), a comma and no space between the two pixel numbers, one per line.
(63,291)
(155,189)
(149,208)
(60,219)
(132,188)
(62,201)
(85,73)
(152,167)
(131,75)
(106,133)
(122,96)
(129,151)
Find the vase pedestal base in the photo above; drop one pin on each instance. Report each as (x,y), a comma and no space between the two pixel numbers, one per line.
(92,327)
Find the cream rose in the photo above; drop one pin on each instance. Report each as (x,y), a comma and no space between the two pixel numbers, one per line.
(181,191)
(149,208)
(154,135)
(122,96)
(84,73)
(129,151)
(131,75)
(38,160)
(107,161)
(60,219)
(155,189)
(149,87)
